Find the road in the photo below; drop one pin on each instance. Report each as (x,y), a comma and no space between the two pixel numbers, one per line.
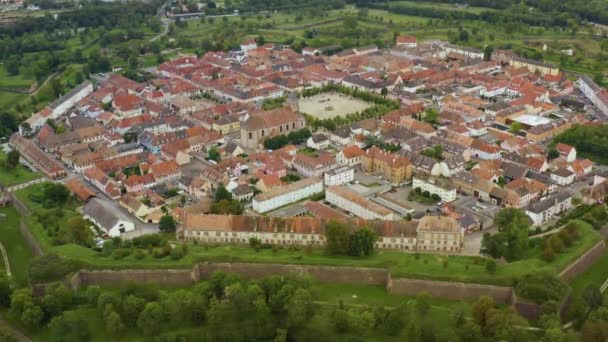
(165,23)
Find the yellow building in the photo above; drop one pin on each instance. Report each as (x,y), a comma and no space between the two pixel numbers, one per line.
(393,167)
(439,233)
(535,66)
(227,124)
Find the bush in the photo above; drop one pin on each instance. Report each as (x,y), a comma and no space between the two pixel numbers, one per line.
(491,266)
(139,254)
(50,267)
(121,253)
(541,287)
(144,241)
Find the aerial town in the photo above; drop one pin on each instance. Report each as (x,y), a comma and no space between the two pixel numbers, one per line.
(425,142)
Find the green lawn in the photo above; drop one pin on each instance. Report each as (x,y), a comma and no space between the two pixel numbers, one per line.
(18,81)
(596,274)
(17,176)
(19,254)
(424,266)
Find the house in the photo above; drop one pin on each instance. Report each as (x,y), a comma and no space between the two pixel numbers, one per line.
(265,124)
(242,192)
(113,222)
(79,189)
(318,141)
(103,182)
(287,194)
(551,206)
(566,151)
(269,182)
(406,41)
(563,176)
(339,176)
(439,186)
(356,204)
(42,161)
(137,183)
(233,149)
(316,165)
(350,156)
(581,167)
(167,171)
(439,233)
(393,167)
(248,45)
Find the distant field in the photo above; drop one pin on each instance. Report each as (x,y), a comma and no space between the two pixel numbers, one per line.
(444,6)
(329,105)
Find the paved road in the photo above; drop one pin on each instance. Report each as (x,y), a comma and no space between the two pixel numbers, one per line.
(165,23)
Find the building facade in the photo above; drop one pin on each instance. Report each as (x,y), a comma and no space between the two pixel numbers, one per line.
(356,204)
(441,187)
(290,193)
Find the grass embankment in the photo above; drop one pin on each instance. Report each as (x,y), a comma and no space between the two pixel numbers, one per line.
(19,254)
(407,265)
(17,176)
(596,274)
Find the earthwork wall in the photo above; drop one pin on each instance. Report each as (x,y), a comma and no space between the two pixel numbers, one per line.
(584,262)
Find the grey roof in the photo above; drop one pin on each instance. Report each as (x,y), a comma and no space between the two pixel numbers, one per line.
(455,161)
(69,95)
(513,170)
(318,137)
(467,221)
(106,216)
(563,172)
(550,201)
(242,189)
(342,132)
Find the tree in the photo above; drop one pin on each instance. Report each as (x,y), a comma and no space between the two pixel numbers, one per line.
(362,242)
(384,91)
(515,127)
(299,309)
(595,331)
(511,241)
(32,316)
(167,224)
(431,116)
(213,154)
(12,159)
(552,154)
(337,238)
(70,326)
(113,323)
(151,318)
(423,304)
(491,266)
(592,296)
(480,309)
(57,299)
(487,52)
(6,289)
(132,306)
(395,320)
(55,194)
(78,230)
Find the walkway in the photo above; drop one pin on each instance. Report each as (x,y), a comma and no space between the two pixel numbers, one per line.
(7,266)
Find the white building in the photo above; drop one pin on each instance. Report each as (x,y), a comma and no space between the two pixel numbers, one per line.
(545,210)
(563,176)
(441,187)
(110,220)
(356,204)
(596,94)
(249,45)
(284,195)
(465,51)
(58,107)
(339,176)
(318,141)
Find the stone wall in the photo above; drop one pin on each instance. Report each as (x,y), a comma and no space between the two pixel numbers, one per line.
(30,239)
(19,206)
(122,277)
(583,263)
(449,290)
(342,275)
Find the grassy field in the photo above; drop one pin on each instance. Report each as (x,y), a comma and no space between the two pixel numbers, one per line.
(17,176)
(424,266)
(19,254)
(596,274)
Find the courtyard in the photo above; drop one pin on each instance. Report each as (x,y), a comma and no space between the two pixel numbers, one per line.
(330,105)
